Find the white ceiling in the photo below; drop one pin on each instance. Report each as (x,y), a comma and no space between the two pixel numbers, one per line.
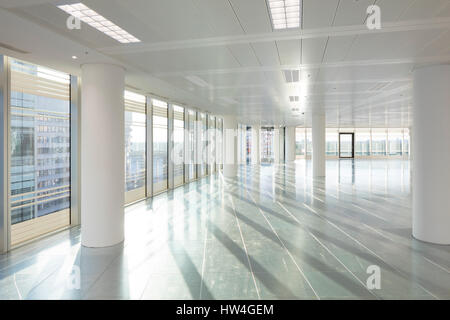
(360,77)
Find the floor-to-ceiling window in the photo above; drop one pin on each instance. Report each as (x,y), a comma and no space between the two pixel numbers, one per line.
(202,143)
(406,138)
(135,146)
(211,144)
(379,142)
(362,142)
(300,143)
(267,144)
(395,141)
(219,143)
(248,144)
(178,145)
(40,150)
(192,145)
(368,142)
(309,142)
(331,142)
(160,145)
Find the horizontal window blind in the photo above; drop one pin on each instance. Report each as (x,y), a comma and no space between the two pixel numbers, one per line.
(178,113)
(39,81)
(134,102)
(159,108)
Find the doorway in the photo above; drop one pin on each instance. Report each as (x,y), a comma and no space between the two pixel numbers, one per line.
(346,145)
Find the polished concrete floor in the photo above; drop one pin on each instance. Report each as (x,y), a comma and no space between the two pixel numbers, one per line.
(272,233)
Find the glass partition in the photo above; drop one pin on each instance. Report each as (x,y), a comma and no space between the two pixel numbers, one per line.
(178,145)
(39,150)
(160,145)
(135,146)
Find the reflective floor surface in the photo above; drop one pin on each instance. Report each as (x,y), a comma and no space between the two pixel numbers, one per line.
(272,233)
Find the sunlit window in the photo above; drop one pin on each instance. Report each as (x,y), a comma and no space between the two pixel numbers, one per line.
(395,138)
(191,152)
(40,145)
(331,142)
(362,142)
(160,146)
(300,144)
(135,146)
(178,145)
(379,137)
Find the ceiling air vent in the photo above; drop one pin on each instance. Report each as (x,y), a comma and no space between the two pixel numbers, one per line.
(294,98)
(291,75)
(7,46)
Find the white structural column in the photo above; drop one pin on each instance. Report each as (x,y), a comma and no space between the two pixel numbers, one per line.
(102,155)
(290,144)
(318,144)
(230,146)
(255,145)
(431,154)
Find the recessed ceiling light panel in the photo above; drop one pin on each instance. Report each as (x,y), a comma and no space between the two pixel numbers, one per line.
(99,22)
(285,13)
(291,75)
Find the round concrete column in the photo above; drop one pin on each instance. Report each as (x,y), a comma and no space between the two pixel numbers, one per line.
(318,145)
(230,148)
(102,155)
(431,154)
(255,145)
(290,144)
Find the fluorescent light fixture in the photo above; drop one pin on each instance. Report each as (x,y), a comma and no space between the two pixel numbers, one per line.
(198,81)
(285,13)
(98,22)
(228,100)
(291,75)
